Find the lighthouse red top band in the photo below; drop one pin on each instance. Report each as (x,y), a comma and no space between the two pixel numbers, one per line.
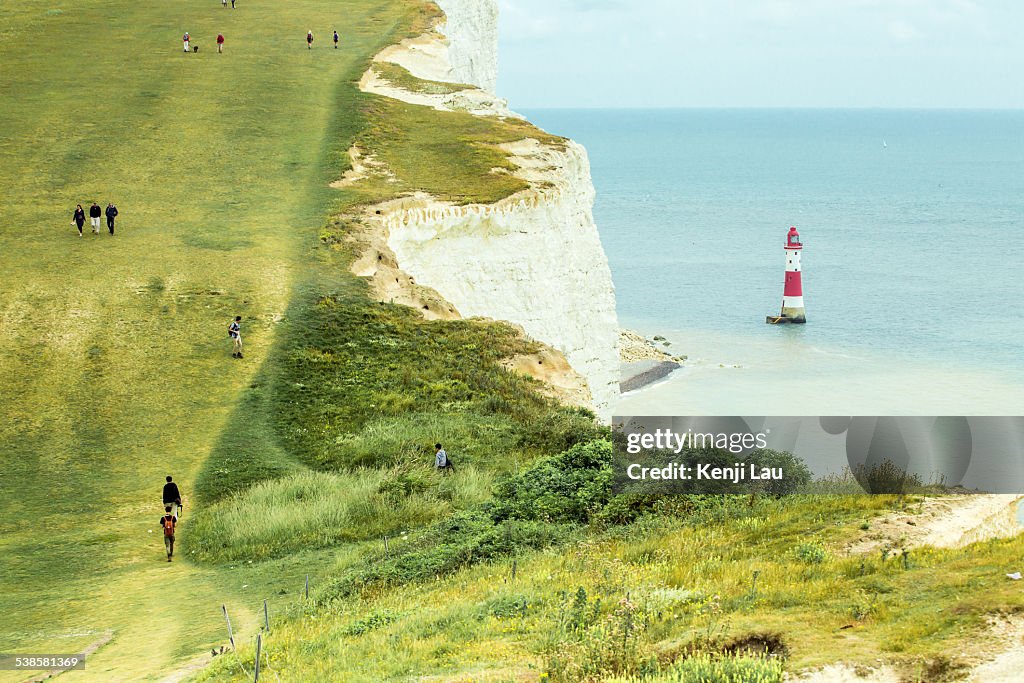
(793,288)
(793,239)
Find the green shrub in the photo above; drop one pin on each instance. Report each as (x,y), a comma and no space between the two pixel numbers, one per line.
(558,431)
(594,643)
(506,607)
(372,622)
(812,552)
(569,487)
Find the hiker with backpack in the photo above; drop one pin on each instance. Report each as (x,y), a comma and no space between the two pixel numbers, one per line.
(441,460)
(168,522)
(172,497)
(235,332)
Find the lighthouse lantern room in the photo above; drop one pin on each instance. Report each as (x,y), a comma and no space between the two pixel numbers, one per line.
(793,293)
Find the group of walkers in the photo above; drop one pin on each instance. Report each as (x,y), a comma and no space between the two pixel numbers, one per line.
(188,46)
(172,512)
(186,41)
(309,40)
(95,214)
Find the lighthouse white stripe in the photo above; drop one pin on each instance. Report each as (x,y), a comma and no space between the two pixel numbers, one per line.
(792,302)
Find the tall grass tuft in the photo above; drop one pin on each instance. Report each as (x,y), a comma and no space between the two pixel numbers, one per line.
(317,509)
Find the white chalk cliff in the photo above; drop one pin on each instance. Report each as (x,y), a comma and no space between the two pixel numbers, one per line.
(533,259)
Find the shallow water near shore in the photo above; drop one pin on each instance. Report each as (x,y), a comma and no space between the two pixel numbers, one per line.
(913,226)
(784,372)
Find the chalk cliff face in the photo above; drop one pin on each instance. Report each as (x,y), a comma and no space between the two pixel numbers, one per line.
(472,32)
(535,258)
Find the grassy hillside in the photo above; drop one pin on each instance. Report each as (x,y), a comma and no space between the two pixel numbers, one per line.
(300,459)
(114,362)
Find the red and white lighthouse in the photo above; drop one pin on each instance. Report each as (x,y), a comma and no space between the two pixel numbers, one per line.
(793,293)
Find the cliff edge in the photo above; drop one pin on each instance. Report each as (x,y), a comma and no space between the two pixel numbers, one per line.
(534,258)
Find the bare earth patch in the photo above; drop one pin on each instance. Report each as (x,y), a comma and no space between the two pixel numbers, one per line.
(943,522)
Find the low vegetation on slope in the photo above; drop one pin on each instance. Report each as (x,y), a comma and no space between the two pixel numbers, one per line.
(696,585)
(521,565)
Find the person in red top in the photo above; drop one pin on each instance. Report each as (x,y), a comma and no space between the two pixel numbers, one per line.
(167,523)
(220,42)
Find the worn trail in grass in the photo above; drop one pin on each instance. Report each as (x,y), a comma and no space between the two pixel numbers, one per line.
(114,360)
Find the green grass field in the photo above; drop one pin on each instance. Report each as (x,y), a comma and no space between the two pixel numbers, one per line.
(115,370)
(115,365)
(114,360)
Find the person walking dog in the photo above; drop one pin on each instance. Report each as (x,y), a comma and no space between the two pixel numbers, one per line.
(186,40)
(111,215)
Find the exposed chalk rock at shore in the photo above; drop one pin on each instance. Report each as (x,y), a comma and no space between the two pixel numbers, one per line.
(635,347)
(535,258)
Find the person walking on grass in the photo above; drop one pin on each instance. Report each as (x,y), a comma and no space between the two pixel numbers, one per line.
(79,218)
(235,332)
(220,42)
(309,40)
(172,497)
(94,217)
(186,39)
(111,215)
(336,40)
(224,3)
(168,522)
(441,460)
(232,4)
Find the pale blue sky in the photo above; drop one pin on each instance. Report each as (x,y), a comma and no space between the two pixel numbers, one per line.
(762,53)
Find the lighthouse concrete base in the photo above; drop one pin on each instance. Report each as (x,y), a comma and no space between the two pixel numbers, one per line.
(795,315)
(789,315)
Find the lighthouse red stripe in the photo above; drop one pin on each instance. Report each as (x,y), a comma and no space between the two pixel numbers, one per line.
(793,286)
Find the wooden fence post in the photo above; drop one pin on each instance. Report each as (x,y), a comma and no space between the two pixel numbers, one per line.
(231,636)
(259,641)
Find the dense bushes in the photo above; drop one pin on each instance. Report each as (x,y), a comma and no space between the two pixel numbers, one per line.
(536,508)
(569,487)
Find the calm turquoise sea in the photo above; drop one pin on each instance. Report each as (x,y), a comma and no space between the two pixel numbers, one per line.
(913,232)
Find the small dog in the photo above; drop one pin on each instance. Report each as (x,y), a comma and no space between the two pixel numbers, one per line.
(195,48)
